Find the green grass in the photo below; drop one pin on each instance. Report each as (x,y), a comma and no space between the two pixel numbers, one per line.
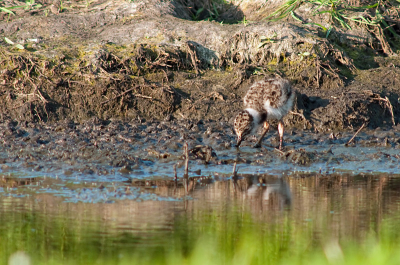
(375,17)
(337,9)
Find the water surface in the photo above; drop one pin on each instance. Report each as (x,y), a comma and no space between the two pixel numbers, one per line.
(105,193)
(113,223)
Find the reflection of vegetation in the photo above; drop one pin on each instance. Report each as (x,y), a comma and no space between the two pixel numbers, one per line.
(229,236)
(379,17)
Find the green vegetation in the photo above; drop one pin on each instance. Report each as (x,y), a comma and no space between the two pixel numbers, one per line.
(29,4)
(338,11)
(212,10)
(209,10)
(378,18)
(18,46)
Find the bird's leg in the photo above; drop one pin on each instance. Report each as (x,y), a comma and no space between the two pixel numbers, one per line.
(239,141)
(280,131)
(266,127)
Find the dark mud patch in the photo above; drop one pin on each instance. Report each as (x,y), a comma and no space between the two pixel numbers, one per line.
(121,63)
(155,86)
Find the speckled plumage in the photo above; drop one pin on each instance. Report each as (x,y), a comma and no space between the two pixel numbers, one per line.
(266,99)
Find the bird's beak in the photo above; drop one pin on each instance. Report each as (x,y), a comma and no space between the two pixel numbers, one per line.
(239,141)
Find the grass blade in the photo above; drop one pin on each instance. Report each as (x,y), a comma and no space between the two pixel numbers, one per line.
(19,46)
(284,10)
(389,28)
(8,41)
(7,10)
(294,16)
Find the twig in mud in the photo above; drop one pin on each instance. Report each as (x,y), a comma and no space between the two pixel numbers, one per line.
(108,75)
(305,121)
(124,138)
(186,152)
(389,106)
(318,66)
(175,174)
(352,138)
(281,152)
(234,172)
(166,77)
(298,114)
(193,57)
(37,90)
(234,175)
(127,91)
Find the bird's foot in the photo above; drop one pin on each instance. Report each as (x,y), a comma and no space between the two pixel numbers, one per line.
(257,145)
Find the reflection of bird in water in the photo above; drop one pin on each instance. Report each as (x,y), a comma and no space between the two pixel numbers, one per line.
(266,100)
(282,188)
(266,188)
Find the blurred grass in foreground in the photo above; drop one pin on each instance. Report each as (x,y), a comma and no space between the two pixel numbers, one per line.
(203,238)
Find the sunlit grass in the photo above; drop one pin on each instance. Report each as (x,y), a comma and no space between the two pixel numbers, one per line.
(376,17)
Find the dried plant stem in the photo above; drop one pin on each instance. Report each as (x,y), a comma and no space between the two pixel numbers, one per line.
(298,114)
(389,106)
(352,138)
(186,153)
(127,91)
(36,91)
(175,174)
(234,169)
(193,57)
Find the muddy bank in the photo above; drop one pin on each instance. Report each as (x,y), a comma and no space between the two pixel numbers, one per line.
(109,151)
(146,62)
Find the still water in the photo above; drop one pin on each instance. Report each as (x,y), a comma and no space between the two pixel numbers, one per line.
(294,218)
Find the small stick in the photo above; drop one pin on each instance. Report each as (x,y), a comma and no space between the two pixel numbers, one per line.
(281,152)
(36,89)
(186,151)
(298,114)
(352,138)
(389,106)
(124,138)
(193,56)
(123,93)
(390,109)
(234,176)
(234,169)
(175,174)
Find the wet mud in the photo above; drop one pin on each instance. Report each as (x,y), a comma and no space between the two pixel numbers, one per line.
(119,106)
(100,151)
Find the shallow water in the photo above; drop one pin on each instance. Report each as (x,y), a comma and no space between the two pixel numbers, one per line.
(83,224)
(85,196)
